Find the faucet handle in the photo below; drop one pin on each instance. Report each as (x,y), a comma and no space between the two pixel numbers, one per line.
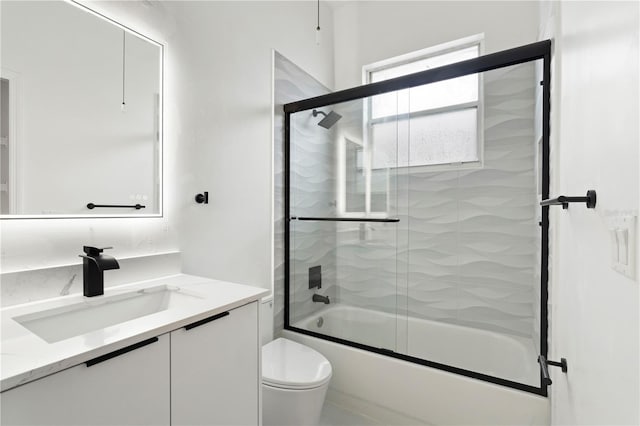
(94,251)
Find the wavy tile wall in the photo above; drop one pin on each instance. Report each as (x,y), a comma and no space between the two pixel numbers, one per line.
(466,248)
(293,84)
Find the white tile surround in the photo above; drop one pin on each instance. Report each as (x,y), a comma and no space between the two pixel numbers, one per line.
(472,234)
(44,283)
(291,83)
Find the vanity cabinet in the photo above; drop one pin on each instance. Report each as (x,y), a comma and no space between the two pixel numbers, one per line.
(215,376)
(131,388)
(205,373)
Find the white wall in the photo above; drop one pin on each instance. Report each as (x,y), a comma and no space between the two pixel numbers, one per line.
(594,137)
(225,139)
(369,31)
(32,244)
(217,138)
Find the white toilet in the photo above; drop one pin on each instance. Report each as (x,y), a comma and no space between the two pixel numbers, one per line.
(295,379)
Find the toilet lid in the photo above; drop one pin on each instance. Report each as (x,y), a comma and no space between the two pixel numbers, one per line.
(290,365)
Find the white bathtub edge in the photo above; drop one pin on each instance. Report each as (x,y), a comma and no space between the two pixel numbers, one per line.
(432,396)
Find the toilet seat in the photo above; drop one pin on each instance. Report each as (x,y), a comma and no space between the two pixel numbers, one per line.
(290,365)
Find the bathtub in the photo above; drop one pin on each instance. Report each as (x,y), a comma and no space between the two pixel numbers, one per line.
(366,381)
(509,357)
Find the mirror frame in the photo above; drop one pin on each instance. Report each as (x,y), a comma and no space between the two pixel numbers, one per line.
(161,130)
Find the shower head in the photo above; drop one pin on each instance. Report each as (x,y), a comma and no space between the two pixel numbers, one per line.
(329,119)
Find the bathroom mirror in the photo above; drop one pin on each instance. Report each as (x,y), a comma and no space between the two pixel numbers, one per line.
(81,114)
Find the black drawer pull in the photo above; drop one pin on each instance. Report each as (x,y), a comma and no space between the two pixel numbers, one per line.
(119,352)
(206,320)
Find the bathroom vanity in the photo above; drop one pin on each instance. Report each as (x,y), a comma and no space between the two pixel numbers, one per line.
(177,350)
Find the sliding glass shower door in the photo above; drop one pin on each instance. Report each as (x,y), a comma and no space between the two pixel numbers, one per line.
(413,220)
(343,228)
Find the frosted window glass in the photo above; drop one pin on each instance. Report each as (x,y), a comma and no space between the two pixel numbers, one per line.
(429,96)
(390,104)
(449,137)
(384,146)
(354,178)
(444,93)
(444,138)
(436,95)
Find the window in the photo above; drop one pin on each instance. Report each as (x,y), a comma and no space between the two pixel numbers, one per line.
(440,121)
(433,127)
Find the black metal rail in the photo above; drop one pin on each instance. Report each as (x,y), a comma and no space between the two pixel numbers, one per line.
(563,200)
(347,219)
(92,206)
(505,58)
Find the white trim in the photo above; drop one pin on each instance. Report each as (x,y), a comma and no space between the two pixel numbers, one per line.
(341,158)
(272,212)
(77,216)
(423,112)
(341,183)
(13,144)
(437,50)
(112,21)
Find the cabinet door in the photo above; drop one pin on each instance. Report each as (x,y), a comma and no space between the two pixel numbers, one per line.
(126,387)
(215,374)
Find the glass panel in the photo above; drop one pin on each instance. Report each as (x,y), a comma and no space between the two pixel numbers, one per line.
(380,180)
(431,96)
(448,137)
(332,178)
(6,149)
(456,280)
(424,64)
(355,178)
(473,271)
(461,90)
(443,138)
(384,146)
(331,168)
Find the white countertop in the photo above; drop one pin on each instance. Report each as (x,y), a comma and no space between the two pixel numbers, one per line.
(25,356)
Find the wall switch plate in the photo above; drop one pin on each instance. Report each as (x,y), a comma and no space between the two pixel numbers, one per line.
(622,230)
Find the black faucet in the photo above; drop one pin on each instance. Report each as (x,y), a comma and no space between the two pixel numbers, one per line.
(94,265)
(318,298)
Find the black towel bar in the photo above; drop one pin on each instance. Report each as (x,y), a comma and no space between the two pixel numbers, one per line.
(589,199)
(135,206)
(347,219)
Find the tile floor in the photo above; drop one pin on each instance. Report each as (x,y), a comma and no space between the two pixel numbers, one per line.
(334,415)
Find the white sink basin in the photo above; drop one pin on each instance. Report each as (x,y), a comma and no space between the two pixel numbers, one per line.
(92,314)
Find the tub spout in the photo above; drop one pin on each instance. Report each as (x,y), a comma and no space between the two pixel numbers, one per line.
(318,298)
